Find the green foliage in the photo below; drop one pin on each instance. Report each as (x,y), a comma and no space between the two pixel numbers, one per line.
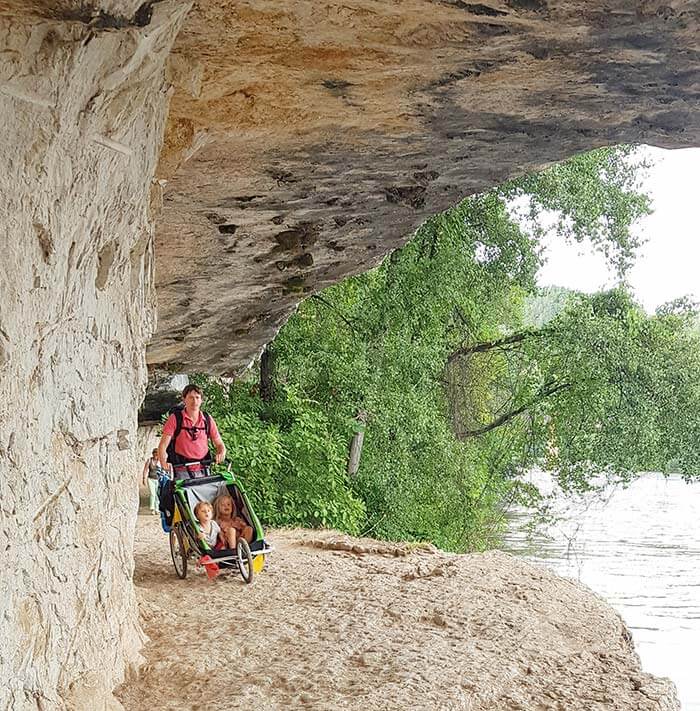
(594,196)
(378,344)
(290,461)
(542,306)
(430,355)
(604,387)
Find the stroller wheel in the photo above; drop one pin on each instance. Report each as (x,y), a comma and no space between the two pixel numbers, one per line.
(177,551)
(245,560)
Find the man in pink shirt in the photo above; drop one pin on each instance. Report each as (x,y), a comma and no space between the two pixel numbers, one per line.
(191,436)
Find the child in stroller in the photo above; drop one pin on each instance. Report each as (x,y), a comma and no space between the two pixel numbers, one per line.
(231,524)
(185,529)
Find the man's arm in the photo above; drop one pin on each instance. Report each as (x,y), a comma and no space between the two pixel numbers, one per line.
(220,450)
(162,450)
(144,474)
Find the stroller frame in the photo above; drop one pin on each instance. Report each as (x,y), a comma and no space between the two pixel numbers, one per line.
(185,543)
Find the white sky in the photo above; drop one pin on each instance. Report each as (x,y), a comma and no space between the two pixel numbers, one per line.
(668,265)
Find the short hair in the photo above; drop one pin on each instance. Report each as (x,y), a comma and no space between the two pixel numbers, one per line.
(202,505)
(191,388)
(155,451)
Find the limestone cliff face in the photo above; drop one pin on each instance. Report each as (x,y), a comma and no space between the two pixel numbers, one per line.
(306,139)
(83,111)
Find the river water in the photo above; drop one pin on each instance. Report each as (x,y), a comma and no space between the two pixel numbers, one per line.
(639,548)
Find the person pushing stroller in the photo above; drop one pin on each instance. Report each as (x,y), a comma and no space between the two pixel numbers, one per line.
(186,435)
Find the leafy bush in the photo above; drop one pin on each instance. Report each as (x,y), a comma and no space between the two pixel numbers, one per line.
(291,464)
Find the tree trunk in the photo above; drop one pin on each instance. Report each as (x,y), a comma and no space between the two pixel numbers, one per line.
(267,374)
(356,446)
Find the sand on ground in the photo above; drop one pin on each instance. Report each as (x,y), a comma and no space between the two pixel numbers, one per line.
(335,622)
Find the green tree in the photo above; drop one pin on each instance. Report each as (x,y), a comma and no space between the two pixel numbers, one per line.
(459,395)
(600,390)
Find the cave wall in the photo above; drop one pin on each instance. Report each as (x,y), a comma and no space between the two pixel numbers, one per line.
(83,110)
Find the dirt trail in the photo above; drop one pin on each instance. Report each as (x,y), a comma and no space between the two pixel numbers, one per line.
(341,623)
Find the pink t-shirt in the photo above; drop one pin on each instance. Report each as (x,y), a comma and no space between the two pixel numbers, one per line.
(185,445)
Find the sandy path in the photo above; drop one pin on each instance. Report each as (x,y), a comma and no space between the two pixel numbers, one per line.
(380,627)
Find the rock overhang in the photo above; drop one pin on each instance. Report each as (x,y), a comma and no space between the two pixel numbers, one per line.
(305,142)
(317,160)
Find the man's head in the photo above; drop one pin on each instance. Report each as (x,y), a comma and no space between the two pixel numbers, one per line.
(192,397)
(154,453)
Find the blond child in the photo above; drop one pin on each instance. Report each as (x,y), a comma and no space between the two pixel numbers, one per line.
(231,524)
(210,531)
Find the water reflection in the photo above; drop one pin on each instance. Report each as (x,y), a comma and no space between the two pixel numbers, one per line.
(639,548)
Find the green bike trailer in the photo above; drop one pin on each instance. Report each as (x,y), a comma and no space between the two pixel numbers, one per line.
(183,528)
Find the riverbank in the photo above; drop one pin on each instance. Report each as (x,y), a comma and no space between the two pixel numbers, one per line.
(342,623)
(638,547)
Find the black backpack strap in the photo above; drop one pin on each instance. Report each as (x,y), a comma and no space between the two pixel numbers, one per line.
(178,422)
(173,457)
(207,423)
(207,429)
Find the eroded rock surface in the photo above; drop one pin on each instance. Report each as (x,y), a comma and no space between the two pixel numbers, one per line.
(83,112)
(307,139)
(343,623)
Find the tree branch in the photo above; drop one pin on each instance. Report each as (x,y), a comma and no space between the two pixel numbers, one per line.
(545,392)
(333,308)
(462,317)
(485,346)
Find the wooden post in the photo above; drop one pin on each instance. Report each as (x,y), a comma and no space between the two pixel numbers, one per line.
(356,445)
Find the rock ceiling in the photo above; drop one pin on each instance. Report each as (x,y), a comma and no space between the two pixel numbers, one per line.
(306,139)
